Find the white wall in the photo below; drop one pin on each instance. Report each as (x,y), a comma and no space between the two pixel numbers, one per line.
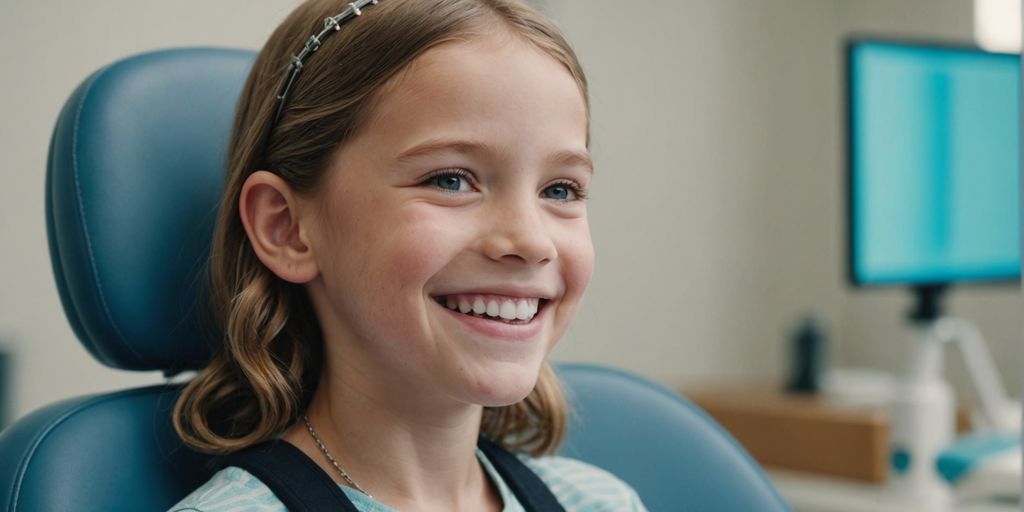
(711,210)
(717,203)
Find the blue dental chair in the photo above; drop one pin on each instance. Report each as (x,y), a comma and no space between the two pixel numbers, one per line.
(134,178)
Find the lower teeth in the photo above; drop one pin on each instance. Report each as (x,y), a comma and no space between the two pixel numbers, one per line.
(495,319)
(498,319)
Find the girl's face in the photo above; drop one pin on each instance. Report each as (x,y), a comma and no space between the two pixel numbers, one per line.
(464,188)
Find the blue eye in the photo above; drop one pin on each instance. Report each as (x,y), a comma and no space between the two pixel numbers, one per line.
(450,181)
(564,192)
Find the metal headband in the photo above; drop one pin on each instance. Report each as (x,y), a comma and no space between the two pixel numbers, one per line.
(332,24)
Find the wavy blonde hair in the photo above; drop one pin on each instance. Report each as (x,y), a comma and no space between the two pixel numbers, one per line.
(263,375)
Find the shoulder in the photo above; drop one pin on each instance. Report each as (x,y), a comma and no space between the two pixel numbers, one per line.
(581,487)
(231,489)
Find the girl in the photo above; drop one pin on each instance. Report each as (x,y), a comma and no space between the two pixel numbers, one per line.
(402,241)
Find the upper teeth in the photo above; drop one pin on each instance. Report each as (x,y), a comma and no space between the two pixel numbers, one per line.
(507,308)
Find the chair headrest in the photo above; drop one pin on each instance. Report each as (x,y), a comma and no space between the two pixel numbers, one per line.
(135,175)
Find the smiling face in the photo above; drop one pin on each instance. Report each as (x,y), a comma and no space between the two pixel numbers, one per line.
(464,188)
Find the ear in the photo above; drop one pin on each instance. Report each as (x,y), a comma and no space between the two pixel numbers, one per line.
(269,211)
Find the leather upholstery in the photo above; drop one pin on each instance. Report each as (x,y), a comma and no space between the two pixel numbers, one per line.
(106,452)
(136,170)
(669,450)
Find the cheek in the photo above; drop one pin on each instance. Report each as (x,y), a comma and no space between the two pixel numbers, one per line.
(420,244)
(393,243)
(386,261)
(576,259)
(577,255)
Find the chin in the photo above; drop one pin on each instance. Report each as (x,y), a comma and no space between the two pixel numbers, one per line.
(502,387)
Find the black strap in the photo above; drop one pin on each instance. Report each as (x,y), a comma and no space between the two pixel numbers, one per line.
(293,477)
(302,486)
(532,492)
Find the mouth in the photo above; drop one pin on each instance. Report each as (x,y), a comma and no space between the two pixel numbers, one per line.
(495,308)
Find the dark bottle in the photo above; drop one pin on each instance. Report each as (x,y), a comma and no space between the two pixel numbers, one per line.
(808,346)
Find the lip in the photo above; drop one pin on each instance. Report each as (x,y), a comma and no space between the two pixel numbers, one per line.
(499,330)
(526,292)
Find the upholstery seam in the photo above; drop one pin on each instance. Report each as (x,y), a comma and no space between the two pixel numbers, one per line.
(40,437)
(81,211)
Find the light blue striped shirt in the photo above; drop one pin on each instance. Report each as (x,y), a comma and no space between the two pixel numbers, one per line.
(578,486)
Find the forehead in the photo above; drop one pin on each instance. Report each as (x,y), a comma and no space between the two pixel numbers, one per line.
(498,88)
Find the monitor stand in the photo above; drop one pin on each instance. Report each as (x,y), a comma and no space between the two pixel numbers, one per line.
(923,410)
(998,412)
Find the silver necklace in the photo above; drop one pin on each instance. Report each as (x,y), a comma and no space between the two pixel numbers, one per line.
(323,449)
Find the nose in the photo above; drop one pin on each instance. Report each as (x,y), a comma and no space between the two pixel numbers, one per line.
(517,234)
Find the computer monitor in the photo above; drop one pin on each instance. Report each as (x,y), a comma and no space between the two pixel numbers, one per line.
(934,164)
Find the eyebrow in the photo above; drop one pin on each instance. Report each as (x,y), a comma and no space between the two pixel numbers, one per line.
(565,157)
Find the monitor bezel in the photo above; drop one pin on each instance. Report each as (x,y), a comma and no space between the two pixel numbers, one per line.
(850,44)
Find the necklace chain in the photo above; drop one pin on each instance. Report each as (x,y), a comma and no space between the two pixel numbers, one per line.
(323,449)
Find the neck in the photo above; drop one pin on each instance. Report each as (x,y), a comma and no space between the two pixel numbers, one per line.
(416,456)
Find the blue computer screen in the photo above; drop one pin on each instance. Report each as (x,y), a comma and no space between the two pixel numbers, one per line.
(934,164)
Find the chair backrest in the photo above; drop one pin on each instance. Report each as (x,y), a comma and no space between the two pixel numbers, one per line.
(107,452)
(134,177)
(665,447)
